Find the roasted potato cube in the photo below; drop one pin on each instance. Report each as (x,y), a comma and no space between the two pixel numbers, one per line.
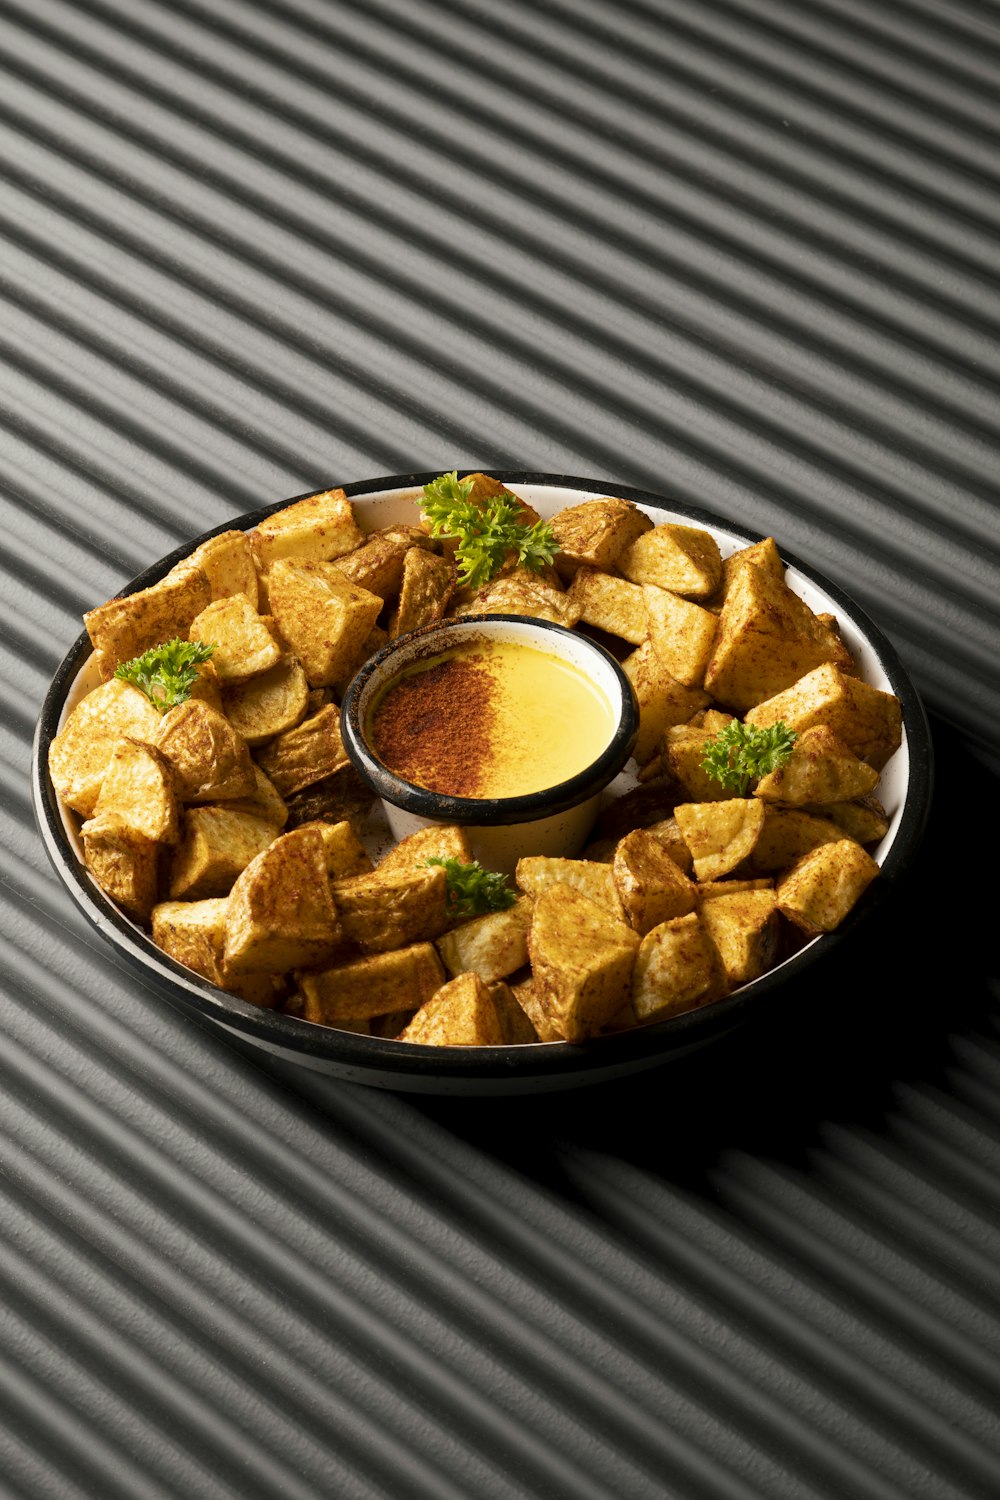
(193,933)
(744,928)
(820,769)
(316,529)
(378,912)
(763,554)
(663,701)
(650,885)
(681,633)
(528,997)
(486,488)
(270,704)
(324,619)
(244,647)
(139,786)
(787,834)
(864,821)
(670,836)
(683,753)
(207,687)
(218,844)
(377,565)
(768,638)
(281,915)
(125,627)
(462,1013)
(516,1029)
(677,968)
(523,593)
(536,873)
(491,946)
(684,559)
(427,585)
(262,802)
(306,754)
(378,985)
(720,835)
(821,888)
(81,752)
(581,960)
(437,841)
(868,721)
(595,533)
(227,561)
(209,760)
(711,890)
(346,855)
(123,863)
(609,603)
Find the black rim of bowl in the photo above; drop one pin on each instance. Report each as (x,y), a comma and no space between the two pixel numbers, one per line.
(358,1056)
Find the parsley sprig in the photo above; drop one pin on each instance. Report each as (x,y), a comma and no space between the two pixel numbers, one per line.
(473,891)
(167,673)
(741,753)
(486,533)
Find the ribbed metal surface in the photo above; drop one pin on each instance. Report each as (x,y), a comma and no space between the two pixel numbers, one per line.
(743,253)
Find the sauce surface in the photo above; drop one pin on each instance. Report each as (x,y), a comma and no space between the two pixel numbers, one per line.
(490,719)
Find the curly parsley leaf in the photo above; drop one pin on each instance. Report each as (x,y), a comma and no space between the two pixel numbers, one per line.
(473,891)
(740,754)
(167,673)
(485,533)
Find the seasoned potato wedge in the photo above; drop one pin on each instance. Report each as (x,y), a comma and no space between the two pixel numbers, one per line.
(651,887)
(346,855)
(516,1029)
(581,960)
(684,559)
(820,769)
(437,841)
(538,872)
(428,583)
(864,821)
(524,593)
(123,862)
(378,912)
(610,604)
(683,753)
(315,529)
(281,915)
(139,787)
(743,925)
(763,554)
(270,704)
(342,796)
(262,802)
(377,565)
(324,619)
(493,946)
(527,993)
(663,701)
(819,891)
(681,633)
(787,834)
(193,933)
(81,752)
(217,845)
(125,627)
(720,835)
(305,754)
(377,985)
(209,760)
(595,533)
(868,721)
(677,968)
(244,647)
(462,1013)
(227,562)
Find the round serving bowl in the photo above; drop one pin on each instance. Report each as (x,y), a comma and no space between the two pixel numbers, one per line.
(905,790)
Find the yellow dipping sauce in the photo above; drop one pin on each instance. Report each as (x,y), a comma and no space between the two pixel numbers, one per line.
(491,719)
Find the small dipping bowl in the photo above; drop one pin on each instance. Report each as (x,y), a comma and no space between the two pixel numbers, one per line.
(501,830)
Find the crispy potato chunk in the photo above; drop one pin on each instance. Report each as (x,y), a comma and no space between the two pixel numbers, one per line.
(681,633)
(306,754)
(81,752)
(820,769)
(670,836)
(711,890)
(821,888)
(218,844)
(209,760)
(528,997)
(677,968)
(768,638)
(324,619)
(683,752)
(720,835)
(650,885)
(536,873)
(193,933)
(684,559)
(663,701)
(491,946)
(378,985)
(125,627)
(316,529)
(485,488)
(864,821)
(227,561)
(595,533)
(123,863)
(139,786)
(743,925)
(609,603)
(262,802)
(346,855)
(281,915)
(427,585)
(581,959)
(787,834)
(763,554)
(868,721)
(377,565)
(437,841)
(524,593)
(515,1026)
(462,1013)
(244,647)
(270,704)
(378,912)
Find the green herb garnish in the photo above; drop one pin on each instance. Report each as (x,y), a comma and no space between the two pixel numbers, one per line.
(167,673)
(741,753)
(486,533)
(473,891)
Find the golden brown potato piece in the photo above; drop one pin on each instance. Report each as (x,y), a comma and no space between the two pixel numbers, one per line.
(82,750)
(123,863)
(377,565)
(683,559)
(651,886)
(516,1029)
(437,841)
(595,533)
(670,836)
(139,786)
(206,686)
(681,633)
(710,890)
(536,873)
(524,593)
(218,844)
(720,835)
(743,926)
(677,968)
(819,891)
(324,619)
(820,769)
(316,529)
(527,995)
(663,701)
(763,554)
(193,933)
(227,561)
(787,834)
(270,704)
(485,488)
(244,647)
(281,915)
(262,802)
(373,641)
(581,960)
(864,821)
(346,855)
(768,638)
(683,752)
(209,760)
(427,585)
(462,1013)
(868,721)
(609,603)
(123,628)
(306,754)
(378,912)
(491,946)
(378,985)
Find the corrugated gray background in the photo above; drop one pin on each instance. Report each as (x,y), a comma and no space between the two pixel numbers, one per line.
(741,252)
